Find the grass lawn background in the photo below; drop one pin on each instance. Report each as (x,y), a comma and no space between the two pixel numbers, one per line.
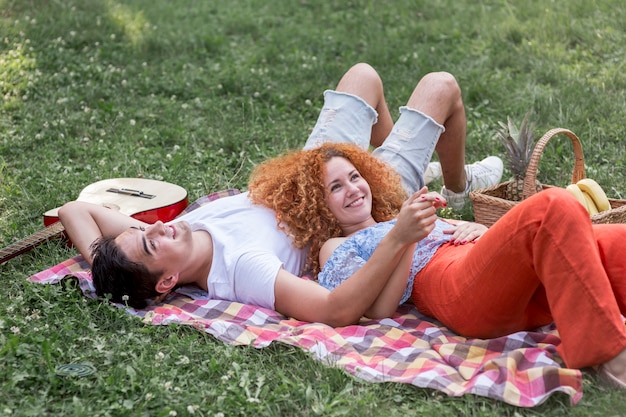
(196,93)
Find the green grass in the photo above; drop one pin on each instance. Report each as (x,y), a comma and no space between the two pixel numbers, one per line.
(196,93)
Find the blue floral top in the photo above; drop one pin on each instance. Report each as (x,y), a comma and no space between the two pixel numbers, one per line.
(352,254)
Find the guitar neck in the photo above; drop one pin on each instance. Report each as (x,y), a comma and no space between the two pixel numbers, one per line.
(51,232)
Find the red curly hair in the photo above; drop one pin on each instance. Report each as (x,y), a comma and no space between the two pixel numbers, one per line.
(293,186)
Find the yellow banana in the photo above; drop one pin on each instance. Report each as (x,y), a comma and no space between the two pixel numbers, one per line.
(591,205)
(595,192)
(578,194)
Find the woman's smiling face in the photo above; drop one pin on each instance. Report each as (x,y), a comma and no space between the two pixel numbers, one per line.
(348,195)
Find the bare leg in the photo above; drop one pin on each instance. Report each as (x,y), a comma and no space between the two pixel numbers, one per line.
(438,95)
(363,81)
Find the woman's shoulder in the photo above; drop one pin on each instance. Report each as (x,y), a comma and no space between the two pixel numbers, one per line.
(329,247)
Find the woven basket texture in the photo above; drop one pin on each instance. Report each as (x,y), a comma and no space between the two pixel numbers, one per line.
(491,203)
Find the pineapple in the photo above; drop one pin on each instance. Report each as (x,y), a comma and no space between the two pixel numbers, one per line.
(519,144)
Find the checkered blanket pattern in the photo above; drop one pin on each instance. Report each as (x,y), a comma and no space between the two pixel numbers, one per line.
(521,369)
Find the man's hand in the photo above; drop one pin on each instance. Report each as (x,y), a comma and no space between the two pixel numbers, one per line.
(86,222)
(465,232)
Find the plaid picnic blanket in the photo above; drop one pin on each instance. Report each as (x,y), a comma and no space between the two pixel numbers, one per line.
(521,369)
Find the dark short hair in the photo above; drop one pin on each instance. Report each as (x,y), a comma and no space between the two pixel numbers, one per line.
(117,277)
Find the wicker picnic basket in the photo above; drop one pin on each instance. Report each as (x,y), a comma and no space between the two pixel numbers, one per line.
(491,203)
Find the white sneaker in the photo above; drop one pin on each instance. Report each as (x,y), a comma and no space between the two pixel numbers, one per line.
(432,173)
(484,173)
(480,174)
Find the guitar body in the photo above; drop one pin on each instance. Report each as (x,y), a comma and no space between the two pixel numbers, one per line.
(144,199)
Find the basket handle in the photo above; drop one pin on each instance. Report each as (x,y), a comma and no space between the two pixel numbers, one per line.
(531,172)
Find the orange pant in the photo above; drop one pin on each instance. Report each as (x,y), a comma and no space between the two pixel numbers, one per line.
(543,261)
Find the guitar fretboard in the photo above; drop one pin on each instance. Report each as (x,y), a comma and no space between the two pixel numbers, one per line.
(51,232)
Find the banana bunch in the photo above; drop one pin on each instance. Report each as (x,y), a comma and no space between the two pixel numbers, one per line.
(590,195)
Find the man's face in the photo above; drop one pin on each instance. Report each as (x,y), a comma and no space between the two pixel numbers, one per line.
(159,247)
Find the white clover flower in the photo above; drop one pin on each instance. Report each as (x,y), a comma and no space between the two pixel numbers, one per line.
(159,356)
(132,122)
(15,329)
(149,396)
(173,413)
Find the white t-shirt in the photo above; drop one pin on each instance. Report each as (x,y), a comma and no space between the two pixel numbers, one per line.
(248,249)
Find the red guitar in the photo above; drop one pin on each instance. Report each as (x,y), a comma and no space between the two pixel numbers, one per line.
(143,199)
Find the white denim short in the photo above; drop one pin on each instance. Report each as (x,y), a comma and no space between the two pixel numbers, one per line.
(408,148)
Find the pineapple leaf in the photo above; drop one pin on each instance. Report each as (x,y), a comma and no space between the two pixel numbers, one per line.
(519,144)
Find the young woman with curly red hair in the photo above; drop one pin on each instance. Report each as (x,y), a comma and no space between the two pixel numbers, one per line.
(290,186)
(526,271)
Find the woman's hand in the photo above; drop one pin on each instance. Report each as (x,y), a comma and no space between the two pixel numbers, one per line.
(417,217)
(437,200)
(465,232)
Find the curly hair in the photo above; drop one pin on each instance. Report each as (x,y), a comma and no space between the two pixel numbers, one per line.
(293,186)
